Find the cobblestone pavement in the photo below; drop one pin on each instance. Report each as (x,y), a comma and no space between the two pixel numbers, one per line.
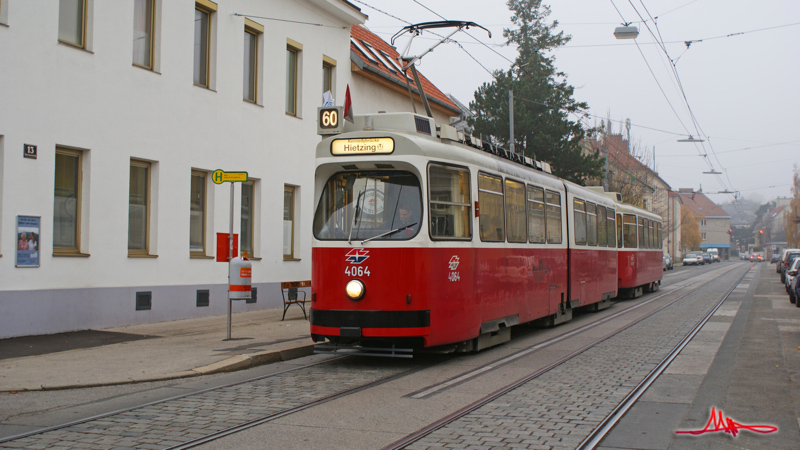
(174,422)
(559,409)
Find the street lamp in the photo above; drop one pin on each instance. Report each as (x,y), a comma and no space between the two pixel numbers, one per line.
(626,32)
(691,139)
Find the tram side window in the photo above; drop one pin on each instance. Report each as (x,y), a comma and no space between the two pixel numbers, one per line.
(641,233)
(553,217)
(602,227)
(490,199)
(629,231)
(536,223)
(658,233)
(612,241)
(449,202)
(515,211)
(619,231)
(652,233)
(579,215)
(591,224)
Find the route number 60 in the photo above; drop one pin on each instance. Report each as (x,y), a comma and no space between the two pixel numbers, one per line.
(330,118)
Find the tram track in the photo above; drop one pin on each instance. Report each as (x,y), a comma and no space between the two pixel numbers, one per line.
(600,431)
(70,432)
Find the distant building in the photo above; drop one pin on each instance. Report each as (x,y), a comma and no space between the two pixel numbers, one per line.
(714,221)
(638,184)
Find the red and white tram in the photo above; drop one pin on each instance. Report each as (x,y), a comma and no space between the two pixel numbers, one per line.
(640,251)
(423,241)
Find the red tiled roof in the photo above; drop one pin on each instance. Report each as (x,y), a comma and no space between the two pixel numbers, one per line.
(700,205)
(379,58)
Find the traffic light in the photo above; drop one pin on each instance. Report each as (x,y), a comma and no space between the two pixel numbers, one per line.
(760,231)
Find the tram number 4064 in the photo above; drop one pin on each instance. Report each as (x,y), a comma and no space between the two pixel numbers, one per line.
(356,271)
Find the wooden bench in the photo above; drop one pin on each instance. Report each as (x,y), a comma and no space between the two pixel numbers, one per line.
(290,294)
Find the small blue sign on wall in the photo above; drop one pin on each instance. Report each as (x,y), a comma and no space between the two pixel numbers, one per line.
(29,151)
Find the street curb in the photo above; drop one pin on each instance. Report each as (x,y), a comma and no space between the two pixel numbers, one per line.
(240,362)
(231,364)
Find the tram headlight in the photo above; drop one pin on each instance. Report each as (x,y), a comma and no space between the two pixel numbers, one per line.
(355,290)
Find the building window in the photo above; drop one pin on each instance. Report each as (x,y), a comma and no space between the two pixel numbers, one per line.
(143,25)
(197,221)
(293,51)
(704,236)
(72,22)
(4,11)
(702,222)
(67,204)
(202,42)
(288,221)
(139,208)
(328,71)
(247,219)
(252,32)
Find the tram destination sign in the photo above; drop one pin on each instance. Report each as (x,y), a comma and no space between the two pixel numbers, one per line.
(362,146)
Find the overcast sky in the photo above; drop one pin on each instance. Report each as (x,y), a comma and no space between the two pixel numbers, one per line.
(740,76)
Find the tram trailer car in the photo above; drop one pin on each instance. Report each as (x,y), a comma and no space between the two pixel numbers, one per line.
(422,241)
(640,253)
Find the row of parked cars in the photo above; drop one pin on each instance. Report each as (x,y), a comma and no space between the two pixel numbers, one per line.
(788,266)
(700,258)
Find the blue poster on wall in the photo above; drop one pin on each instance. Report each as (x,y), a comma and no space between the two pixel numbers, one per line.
(28,240)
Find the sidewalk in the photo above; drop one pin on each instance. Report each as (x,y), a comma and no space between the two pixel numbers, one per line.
(152,352)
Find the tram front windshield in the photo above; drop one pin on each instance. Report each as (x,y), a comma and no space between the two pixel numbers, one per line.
(369,205)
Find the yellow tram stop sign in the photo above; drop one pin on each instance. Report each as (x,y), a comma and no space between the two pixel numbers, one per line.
(219,176)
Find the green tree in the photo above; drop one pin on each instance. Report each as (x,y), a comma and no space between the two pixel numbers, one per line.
(544,101)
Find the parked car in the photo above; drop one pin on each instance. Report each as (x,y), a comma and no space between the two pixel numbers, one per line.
(693,259)
(774,258)
(706,258)
(744,256)
(791,274)
(794,291)
(784,261)
(667,261)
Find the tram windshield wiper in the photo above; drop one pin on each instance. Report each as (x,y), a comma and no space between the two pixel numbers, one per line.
(356,215)
(389,232)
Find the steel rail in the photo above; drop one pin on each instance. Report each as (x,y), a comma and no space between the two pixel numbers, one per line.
(156,402)
(409,439)
(462,378)
(488,367)
(622,408)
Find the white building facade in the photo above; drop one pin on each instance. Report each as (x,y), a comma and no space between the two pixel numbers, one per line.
(115,116)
